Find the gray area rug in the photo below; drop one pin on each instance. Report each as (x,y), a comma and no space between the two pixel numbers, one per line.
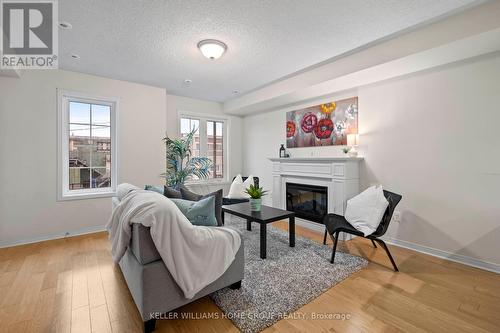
(288,279)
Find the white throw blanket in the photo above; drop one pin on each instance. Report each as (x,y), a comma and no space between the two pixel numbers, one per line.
(194,255)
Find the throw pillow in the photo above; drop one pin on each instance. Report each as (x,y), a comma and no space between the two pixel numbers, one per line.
(238,187)
(198,212)
(155,188)
(189,195)
(365,211)
(171,193)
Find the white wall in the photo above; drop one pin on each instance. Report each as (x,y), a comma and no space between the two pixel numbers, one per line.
(178,103)
(28,151)
(433,137)
(29,210)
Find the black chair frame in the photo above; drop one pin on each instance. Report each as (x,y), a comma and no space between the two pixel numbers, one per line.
(335,224)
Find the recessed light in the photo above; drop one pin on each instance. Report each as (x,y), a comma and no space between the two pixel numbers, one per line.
(75,56)
(65,25)
(212,48)
(236,91)
(187,81)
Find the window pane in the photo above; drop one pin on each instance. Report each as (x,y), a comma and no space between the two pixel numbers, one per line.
(101,131)
(215,146)
(187,125)
(101,177)
(79,178)
(79,113)
(101,154)
(79,151)
(80,131)
(101,115)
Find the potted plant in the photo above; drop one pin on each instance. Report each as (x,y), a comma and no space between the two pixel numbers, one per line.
(256,193)
(180,165)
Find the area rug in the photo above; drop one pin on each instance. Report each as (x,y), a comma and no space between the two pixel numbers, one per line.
(283,282)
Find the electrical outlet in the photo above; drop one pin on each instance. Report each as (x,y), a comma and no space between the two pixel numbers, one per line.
(396,216)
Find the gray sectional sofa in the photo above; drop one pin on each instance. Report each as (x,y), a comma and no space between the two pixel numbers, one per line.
(152,287)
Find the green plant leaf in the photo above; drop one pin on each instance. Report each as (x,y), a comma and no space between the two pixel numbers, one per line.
(255,192)
(179,164)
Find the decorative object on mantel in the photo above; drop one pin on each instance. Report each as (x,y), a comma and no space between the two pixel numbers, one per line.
(180,165)
(352,142)
(326,124)
(256,193)
(346,149)
(282,151)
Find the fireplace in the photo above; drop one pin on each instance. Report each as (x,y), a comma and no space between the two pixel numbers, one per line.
(309,202)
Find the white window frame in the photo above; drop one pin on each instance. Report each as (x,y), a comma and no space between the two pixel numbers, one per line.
(63,99)
(203,118)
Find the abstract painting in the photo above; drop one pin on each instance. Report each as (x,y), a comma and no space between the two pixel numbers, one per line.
(322,125)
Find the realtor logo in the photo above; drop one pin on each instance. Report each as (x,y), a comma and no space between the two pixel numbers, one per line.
(29,34)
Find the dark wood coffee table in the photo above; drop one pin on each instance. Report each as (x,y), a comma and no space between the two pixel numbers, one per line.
(265,216)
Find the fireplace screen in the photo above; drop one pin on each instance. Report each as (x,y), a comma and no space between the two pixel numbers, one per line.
(309,202)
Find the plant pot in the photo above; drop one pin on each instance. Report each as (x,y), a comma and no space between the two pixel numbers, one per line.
(255,204)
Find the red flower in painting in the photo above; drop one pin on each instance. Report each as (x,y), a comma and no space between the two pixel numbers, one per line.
(309,122)
(324,129)
(290,129)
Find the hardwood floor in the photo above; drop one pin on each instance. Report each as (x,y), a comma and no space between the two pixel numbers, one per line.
(73,285)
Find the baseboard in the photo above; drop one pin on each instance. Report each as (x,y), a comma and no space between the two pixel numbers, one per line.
(310,225)
(459,258)
(65,234)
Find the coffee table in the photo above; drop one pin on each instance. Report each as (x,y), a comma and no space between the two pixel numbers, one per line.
(265,216)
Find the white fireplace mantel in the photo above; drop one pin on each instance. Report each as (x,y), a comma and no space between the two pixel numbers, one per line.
(340,175)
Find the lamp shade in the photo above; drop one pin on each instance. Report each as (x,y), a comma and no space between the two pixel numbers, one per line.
(352,139)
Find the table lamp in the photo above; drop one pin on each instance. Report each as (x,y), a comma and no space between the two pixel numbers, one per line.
(352,141)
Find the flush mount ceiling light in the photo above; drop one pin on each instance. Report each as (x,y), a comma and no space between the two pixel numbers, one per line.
(212,48)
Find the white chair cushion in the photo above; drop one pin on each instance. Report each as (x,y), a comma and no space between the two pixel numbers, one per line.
(238,187)
(365,211)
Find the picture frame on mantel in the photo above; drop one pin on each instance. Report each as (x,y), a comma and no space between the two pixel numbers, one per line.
(326,124)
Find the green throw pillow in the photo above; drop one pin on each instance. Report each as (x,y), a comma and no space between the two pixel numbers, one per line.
(198,212)
(154,188)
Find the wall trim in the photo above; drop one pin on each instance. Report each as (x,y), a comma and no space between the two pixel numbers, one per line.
(309,225)
(65,234)
(459,258)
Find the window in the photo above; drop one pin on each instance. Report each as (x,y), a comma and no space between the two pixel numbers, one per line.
(87,146)
(210,140)
(187,125)
(215,150)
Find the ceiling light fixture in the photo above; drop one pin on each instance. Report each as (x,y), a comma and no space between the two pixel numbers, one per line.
(65,25)
(212,48)
(75,56)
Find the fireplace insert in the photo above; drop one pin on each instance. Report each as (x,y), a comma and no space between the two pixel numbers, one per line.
(309,202)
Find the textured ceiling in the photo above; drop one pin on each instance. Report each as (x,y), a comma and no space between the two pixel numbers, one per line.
(154,42)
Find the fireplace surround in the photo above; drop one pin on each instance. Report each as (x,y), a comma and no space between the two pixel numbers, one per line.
(338,175)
